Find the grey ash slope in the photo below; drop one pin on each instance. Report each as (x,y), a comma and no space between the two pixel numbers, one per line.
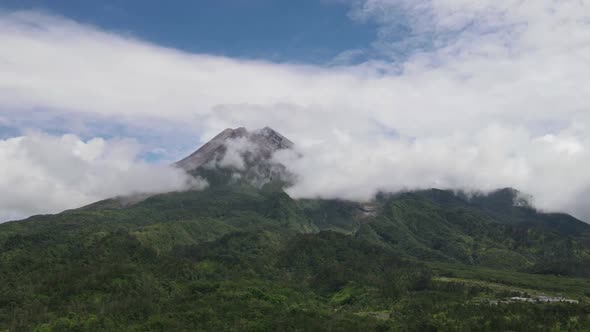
(210,150)
(266,142)
(240,154)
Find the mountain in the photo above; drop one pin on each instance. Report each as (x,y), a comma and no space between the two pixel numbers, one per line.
(243,255)
(240,154)
(265,141)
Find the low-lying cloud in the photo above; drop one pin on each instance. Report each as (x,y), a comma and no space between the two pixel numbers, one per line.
(549,167)
(475,95)
(47,174)
(235,151)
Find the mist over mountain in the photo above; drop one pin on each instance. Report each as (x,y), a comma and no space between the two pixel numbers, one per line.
(265,156)
(247,155)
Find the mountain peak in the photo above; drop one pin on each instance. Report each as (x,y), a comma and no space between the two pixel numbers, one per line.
(243,152)
(231,133)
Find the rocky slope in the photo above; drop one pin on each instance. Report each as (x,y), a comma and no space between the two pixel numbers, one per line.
(240,154)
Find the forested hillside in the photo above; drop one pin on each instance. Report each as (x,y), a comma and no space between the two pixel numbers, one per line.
(238,257)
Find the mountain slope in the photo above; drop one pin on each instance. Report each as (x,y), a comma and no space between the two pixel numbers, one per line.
(236,155)
(266,141)
(437,225)
(243,255)
(238,256)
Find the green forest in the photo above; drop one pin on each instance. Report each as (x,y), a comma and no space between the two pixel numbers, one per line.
(239,258)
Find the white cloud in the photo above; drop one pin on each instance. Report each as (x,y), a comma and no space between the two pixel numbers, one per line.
(488,94)
(48,174)
(235,149)
(494,158)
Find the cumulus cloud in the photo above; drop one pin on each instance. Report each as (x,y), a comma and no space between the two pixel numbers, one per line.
(46,174)
(462,94)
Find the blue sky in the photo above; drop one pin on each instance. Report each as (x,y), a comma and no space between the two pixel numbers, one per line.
(308,31)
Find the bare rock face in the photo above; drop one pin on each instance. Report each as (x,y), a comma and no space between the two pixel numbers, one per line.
(242,154)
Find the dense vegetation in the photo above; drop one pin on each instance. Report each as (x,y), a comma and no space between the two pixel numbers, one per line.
(234,257)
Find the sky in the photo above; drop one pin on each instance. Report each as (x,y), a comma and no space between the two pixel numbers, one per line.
(97,98)
(310,31)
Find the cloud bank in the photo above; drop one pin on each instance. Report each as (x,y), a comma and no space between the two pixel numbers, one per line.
(458,94)
(48,174)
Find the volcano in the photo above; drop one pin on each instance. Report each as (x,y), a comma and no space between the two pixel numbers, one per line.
(240,154)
